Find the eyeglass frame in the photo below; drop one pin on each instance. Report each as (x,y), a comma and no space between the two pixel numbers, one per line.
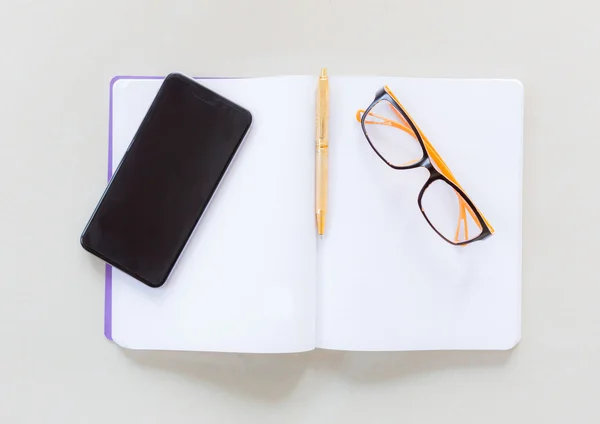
(429,158)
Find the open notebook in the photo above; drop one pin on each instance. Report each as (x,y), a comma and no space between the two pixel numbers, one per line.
(255,277)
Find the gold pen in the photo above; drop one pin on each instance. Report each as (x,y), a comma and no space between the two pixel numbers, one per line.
(322,147)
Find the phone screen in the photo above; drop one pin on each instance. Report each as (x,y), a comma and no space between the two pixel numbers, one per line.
(166,179)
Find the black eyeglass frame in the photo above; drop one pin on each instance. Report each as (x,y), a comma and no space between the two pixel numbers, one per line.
(425,162)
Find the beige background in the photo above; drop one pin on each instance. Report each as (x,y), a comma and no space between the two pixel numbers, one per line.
(57,58)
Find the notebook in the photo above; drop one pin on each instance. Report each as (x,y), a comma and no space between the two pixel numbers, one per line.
(256,278)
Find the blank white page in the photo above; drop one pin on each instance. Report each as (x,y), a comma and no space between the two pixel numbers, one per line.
(246,280)
(387,281)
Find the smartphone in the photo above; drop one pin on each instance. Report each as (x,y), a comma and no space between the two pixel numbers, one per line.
(166,179)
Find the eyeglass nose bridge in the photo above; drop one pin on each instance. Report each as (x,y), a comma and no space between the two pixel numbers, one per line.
(433,172)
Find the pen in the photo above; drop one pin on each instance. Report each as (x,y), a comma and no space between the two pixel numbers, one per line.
(322,145)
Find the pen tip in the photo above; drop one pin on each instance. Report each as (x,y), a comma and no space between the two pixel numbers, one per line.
(323,72)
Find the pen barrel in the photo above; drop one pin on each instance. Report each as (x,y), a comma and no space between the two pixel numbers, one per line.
(322,109)
(322,153)
(322,178)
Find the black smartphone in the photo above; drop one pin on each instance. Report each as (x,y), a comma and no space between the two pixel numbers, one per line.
(166,179)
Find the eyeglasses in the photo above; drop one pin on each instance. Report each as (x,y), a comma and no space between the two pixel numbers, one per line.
(400,143)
